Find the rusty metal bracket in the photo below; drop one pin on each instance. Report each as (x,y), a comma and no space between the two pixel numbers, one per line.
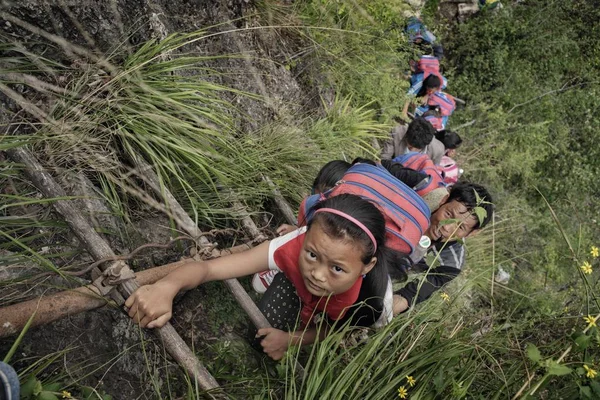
(107,281)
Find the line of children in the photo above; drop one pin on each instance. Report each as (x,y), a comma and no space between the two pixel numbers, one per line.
(336,267)
(454,219)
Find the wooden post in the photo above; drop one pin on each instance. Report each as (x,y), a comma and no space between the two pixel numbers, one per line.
(85,298)
(283,206)
(99,249)
(185,222)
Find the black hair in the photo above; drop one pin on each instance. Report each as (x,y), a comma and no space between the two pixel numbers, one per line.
(369,304)
(431,82)
(450,139)
(362,160)
(407,175)
(419,133)
(329,175)
(465,193)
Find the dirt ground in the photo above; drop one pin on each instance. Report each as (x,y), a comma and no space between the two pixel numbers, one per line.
(102,348)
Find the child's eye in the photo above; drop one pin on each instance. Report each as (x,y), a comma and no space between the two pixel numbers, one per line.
(311,255)
(337,269)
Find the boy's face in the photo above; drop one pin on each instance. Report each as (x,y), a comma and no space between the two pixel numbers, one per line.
(460,222)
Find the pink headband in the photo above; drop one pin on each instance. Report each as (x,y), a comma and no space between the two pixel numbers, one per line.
(353,220)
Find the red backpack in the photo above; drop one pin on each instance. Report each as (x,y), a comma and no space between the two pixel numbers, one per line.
(428,65)
(422,163)
(444,101)
(406,214)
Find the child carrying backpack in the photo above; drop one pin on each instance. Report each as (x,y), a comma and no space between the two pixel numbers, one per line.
(421,70)
(325,267)
(419,35)
(422,163)
(450,170)
(406,214)
(438,109)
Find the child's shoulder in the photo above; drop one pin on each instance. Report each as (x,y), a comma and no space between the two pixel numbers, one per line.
(284,250)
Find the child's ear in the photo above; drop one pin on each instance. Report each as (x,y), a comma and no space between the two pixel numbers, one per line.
(368,267)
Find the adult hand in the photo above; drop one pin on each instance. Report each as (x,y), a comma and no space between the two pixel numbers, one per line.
(275,342)
(285,229)
(151,306)
(400,304)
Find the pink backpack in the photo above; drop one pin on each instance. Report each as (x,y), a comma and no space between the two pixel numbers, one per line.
(449,170)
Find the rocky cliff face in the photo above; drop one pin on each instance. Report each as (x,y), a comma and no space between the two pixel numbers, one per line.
(105,25)
(106,338)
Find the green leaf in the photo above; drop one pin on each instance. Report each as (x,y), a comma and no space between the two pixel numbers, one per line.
(53,387)
(28,387)
(449,221)
(37,388)
(585,392)
(582,341)
(45,395)
(533,353)
(438,381)
(481,214)
(557,369)
(595,387)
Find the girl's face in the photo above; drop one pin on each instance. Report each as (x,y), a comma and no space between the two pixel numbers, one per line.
(451,153)
(329,265)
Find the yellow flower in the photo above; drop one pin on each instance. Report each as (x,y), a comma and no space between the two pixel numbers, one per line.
(590,372)
(66,395)
(591,321)
(402,392)
(445,296)
(595,252)
(586,268)
(411,381)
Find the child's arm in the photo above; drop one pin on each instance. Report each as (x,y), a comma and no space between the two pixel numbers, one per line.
(276,342)
(405,110)
(151,305)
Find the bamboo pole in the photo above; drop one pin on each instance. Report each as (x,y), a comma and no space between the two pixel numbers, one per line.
(283,206)
(185,222)
(188,225)
(71,302)
(99,249)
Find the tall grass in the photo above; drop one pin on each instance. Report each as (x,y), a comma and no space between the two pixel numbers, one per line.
(163,103)
(355,47)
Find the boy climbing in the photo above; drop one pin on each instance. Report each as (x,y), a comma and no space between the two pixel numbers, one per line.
(446,246)
(418,136)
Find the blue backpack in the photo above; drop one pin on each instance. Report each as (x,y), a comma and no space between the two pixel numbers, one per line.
(406,214)
(417,30)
